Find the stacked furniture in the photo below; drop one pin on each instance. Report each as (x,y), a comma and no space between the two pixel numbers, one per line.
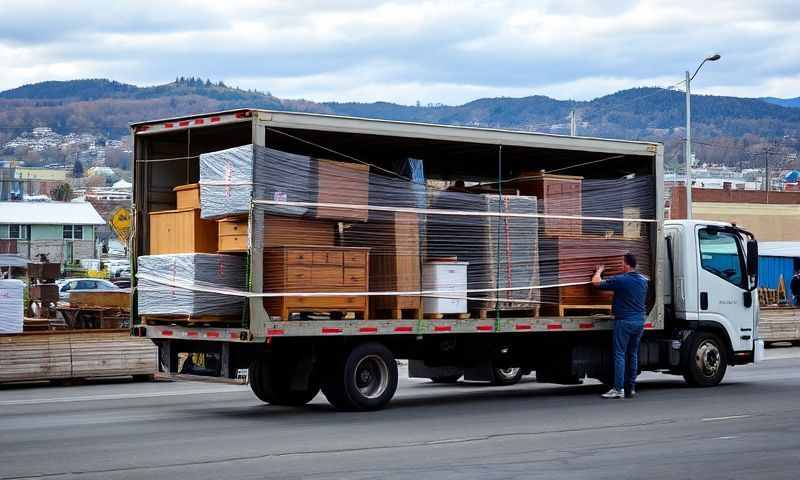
(501,251)
(318,269)
(394,262)
(182,230)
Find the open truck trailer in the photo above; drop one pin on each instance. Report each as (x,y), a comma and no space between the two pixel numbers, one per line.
(315,250)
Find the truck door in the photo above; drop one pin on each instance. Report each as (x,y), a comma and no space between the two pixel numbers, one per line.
(722,283)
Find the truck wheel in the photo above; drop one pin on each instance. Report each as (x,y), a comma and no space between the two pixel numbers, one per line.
(362,379)
(446,379)
(506,376)
(705,363)
(271,382)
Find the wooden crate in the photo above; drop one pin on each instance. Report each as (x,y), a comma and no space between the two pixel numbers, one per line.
(394,262)
(557,195)
(120,299)
(345,183)
(312,268)
(187,196)
(573,260)
(182,231)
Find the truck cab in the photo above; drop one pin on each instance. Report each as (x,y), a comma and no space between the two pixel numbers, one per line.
(710,295)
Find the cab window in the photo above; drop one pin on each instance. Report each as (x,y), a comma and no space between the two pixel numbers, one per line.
(721,255)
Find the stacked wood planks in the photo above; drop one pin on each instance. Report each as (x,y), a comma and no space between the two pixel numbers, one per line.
(779,324)
(75,354)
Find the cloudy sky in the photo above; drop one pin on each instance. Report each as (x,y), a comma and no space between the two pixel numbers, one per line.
(404,51)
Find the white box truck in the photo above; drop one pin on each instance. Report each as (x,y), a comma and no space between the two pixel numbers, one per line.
(702,307)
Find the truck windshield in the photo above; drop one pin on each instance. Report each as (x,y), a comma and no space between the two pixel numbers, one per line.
(721,255)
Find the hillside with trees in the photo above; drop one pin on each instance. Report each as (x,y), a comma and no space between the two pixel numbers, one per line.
(727,129)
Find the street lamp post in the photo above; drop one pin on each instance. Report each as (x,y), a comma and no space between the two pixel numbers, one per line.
(688,152)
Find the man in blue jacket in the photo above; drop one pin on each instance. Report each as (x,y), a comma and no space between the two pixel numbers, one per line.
(628,307)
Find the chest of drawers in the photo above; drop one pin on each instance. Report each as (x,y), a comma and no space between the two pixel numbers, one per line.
(311,268)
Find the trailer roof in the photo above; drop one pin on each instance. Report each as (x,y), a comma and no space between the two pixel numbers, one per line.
(345,124)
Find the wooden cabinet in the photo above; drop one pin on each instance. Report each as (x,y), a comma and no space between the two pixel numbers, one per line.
(181,231)
(280,230)
(232,235)
(187,196)
(557,195)
(343,183)
(315,268)
(394,262)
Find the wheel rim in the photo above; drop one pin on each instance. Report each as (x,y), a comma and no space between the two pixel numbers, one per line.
(708,358)
(508,373)
(372,376)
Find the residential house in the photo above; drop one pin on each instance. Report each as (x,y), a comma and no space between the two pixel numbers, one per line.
(64,231)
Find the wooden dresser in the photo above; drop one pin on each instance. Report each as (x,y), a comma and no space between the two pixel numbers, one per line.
(310,268)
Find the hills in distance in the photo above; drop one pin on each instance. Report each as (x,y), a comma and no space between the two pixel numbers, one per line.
(733,128)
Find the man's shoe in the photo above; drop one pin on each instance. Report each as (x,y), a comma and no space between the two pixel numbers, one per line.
(630,393)
(613,393)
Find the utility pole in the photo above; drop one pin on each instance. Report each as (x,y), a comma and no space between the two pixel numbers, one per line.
(573,123)
(688,152)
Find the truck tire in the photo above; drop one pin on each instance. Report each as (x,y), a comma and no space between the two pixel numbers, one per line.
(446,379)
(271,383)
(362,379)
(506,376)
(704,361)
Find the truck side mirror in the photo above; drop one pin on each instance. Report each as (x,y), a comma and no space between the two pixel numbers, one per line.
(752,258)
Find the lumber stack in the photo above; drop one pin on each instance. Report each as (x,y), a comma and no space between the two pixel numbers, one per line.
(779,324)
(74,354)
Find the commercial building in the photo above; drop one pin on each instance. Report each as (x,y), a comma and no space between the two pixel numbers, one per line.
(64,231)
(771,216)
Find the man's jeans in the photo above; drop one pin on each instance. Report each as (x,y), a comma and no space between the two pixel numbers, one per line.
(627,335)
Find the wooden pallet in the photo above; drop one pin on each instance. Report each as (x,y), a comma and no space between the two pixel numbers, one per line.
(75,354)
(333,313)
(397,314)
(587,309)
(482,313)
(448,316)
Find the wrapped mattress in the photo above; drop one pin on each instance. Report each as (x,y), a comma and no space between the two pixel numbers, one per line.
(191,284)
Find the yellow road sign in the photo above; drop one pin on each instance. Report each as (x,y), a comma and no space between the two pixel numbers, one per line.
(121,223)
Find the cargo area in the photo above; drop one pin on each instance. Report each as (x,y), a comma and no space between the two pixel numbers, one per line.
(248,223)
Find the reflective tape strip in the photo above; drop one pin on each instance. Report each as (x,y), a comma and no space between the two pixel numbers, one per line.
(404,329)
(523,326)
(554,326)
(329,330)
(275,331)
(484,328)
(442,328)
(368,330)
(586,325)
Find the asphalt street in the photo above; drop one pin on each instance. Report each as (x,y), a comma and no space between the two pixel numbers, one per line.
(748,427)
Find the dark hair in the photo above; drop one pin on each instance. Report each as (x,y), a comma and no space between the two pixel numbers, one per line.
(630,260)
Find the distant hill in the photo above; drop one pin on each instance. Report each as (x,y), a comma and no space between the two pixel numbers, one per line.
(784,102)
(727,129)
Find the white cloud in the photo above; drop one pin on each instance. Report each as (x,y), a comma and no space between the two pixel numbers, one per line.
(404,51)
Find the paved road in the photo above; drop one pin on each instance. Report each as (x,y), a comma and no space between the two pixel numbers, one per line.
(749,427)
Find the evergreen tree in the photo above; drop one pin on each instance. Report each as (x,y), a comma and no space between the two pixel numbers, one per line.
(77,169)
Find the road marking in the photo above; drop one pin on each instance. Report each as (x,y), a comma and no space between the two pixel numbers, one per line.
(727,438)
(122,396)
(732,417)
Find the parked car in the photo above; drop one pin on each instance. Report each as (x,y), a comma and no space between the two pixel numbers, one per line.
(122,282)
(72,284)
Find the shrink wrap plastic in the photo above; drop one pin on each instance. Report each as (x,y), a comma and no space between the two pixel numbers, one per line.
(11,306)
(498,231)
(185,271)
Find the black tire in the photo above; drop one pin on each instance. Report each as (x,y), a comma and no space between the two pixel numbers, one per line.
(705,360)
(363,379)
(271,383)
(447,379)
(504,377)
